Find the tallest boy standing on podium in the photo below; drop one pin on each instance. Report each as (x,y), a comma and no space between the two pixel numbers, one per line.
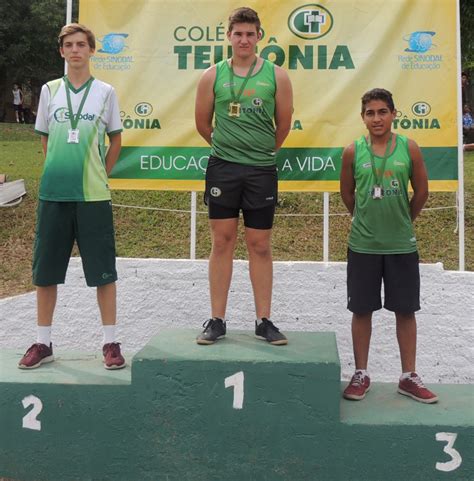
(251,101)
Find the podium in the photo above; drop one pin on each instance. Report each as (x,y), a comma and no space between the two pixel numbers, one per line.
(240,410)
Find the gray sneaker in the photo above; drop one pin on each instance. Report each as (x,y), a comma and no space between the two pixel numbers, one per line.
(214,329)
(267,331)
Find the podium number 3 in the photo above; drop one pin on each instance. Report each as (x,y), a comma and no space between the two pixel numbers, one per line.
(29,420)
(237,382)
(456,459)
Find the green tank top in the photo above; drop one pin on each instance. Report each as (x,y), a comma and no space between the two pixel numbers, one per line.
(382,226)
(249,138)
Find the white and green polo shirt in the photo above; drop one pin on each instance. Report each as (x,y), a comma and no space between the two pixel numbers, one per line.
(76,171)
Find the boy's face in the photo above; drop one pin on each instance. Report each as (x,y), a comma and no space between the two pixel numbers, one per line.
(243,38)
(76,50)
(378,118)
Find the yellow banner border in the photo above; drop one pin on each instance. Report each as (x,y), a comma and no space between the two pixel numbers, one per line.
(283,186)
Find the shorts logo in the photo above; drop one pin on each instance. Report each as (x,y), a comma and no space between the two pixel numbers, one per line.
(257,102)
(269,198)
(105,275)
(215,191)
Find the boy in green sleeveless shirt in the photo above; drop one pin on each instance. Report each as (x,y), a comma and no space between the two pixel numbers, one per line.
(375,173)
(250,100)
(74,115)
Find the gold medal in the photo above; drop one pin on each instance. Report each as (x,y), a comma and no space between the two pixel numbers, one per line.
(234,109)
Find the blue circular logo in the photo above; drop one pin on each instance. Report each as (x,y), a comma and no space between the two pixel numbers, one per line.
(419,42)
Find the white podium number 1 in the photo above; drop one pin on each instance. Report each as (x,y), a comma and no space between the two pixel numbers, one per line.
(456,459)
(237,382)
(29,420)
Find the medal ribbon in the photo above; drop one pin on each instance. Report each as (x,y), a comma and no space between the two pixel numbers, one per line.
(378,179)
(74,118)
(244,83)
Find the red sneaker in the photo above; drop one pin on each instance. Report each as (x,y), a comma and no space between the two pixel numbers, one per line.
(358,387)
(413,387)
(36,355)
(113,358)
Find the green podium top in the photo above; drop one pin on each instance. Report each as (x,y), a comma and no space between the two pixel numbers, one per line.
(242,346)
(384,406)
(68,368)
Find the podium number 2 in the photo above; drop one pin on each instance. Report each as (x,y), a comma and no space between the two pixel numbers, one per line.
(456,459)
(237,382)
(29,420)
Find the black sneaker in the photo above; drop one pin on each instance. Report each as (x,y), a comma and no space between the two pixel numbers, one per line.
(214,329)
(267,331)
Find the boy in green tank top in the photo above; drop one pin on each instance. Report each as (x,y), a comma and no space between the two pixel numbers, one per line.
(376,170)
(250,100)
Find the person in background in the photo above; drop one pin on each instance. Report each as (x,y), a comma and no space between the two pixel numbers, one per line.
(18,103)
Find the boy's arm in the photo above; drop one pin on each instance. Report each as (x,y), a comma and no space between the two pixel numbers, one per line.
(418,180)
(283,106)
(42,124)
(347,182)
(204,106)
(44,144)
(113,152)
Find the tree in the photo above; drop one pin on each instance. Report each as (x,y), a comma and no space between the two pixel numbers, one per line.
(467,34)
(28,36)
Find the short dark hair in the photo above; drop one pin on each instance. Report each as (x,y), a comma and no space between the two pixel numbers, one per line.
(378,94)
(244,15)
(72,28)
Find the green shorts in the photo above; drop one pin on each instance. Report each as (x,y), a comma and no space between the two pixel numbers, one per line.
(58,225)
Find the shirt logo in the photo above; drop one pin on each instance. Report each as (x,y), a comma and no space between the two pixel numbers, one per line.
(257,102)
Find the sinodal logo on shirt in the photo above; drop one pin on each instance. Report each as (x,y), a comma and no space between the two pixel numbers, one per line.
(62,115)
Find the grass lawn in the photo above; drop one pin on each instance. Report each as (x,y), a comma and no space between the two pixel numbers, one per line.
(147,233)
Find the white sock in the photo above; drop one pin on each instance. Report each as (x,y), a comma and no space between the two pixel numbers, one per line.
(363,372)
(405,375)
(259,321)
(44,335)
(109,334)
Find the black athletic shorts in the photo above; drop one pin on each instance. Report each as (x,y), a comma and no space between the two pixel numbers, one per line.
(231,187)
(401,279)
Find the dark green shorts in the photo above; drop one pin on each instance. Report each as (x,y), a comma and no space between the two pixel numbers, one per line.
(58,225)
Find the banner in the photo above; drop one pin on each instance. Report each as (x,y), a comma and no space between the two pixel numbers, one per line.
(154,52)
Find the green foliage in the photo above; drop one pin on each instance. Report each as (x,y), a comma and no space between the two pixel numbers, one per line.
(467,34)
(28,36)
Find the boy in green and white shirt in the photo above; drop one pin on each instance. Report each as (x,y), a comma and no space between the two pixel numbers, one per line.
(74,115)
